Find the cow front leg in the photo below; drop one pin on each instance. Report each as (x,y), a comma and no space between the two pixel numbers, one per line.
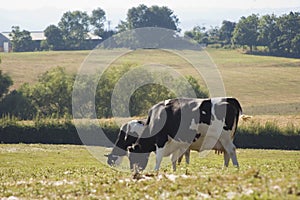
(174,165)
(159,157)
(180,159)
(176,155)
(226,159)
(187,156)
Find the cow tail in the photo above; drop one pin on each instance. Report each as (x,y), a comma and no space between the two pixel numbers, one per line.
(236,104)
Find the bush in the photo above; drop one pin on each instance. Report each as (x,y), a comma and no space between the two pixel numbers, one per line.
(16,104)
(268,136)
(54,131)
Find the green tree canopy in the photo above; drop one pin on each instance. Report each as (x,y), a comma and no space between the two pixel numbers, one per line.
(74,27)
(21,40)
(54,38)
(289,26)
(246,31)
(226,31)
(268,32)
(5,83)
(198,34)
(154,16)
(52,94)
(97,20)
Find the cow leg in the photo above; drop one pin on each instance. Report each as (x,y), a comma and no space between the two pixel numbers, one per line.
(187,156)
(174,165)
(230,151)
(175,156)
(233,156)
(229,148)
(180,159)
(226,159)
(159,157)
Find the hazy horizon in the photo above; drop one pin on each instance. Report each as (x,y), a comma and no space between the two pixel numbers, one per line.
(36,15)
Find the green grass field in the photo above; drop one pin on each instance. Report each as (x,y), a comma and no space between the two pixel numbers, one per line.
(70,172)
(265,85)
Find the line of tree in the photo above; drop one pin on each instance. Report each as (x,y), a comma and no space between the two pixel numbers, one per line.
(279,35)
(71,33)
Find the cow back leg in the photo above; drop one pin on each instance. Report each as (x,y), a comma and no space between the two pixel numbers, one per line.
(234,157)
(229,148)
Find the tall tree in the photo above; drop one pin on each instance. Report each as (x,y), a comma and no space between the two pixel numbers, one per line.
(246,31)
(54,37)
(97,20)
(154,16)
(289,26)
(226,31)
(21,40)
(74,26)
(295,45)
(268,32)
(198,34)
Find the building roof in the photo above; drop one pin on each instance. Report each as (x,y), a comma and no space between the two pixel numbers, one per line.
(3,38)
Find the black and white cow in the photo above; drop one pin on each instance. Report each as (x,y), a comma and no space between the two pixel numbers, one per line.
(128,134)
(176,125)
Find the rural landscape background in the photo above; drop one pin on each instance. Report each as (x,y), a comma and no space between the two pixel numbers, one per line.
(258,60)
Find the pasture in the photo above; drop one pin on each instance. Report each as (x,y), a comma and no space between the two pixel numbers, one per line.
(264,85)
(267,87)
(70,172)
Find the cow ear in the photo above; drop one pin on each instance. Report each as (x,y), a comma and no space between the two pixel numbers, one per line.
(133,147)
(130,148)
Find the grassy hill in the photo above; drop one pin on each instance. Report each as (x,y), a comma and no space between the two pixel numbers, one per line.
(263,84)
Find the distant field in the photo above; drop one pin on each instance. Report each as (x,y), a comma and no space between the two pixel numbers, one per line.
(70,172)
(264,85)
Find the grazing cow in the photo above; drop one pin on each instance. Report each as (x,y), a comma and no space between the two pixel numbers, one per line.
(128,134)
(173,126)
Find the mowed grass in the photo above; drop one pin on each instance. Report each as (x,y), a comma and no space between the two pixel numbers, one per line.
(71,172)
(263,84)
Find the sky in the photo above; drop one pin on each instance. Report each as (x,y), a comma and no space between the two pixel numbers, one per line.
(36,15)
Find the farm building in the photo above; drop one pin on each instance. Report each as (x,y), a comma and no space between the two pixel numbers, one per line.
(38,36)
(5,45)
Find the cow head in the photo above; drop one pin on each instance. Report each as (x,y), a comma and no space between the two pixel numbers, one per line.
(114,160)
(138,159)
(127,136)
